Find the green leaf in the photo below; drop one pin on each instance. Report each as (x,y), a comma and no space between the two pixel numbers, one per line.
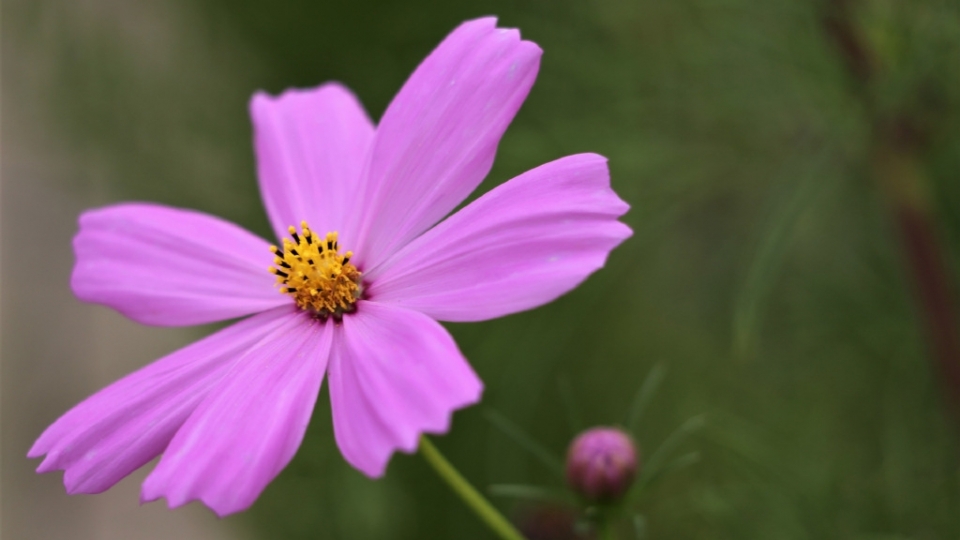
(639,527)
(525,441)
(533,493)
(644,395)
(773,248)
(658,460)
(574,420)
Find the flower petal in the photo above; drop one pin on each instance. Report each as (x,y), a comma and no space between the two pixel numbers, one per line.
(437,139)
(120,428)
(171,267)
(310,147)
(394,374)
(521,245)
(250,425)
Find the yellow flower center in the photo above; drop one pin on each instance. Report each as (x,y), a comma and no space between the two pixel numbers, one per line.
(315,274)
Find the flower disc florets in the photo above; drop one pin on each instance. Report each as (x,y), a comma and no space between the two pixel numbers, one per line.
(315,274)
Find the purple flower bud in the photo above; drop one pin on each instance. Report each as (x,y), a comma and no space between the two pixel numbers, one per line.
(602,463)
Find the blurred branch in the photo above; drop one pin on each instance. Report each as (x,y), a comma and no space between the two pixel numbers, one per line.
(903,178)
(839,27)
(898,143)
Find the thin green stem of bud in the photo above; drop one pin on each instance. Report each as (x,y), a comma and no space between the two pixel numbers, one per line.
(468,494)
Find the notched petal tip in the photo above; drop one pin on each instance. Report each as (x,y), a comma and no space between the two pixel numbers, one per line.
(448,420)
(377,470)
(487,21)
(39,448)
(152,492)
(487,27)
(215,506)
(261,98)
(49,464)
(443,427)
(486,24)
(597,167)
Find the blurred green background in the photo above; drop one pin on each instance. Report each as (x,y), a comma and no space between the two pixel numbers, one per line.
(766,273)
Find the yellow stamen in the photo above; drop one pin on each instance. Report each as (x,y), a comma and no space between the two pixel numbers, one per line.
(315,274)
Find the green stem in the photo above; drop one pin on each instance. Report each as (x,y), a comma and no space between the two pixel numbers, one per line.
(606,526)
(480,506)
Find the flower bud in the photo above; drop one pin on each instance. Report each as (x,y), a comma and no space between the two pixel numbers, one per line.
(601,464)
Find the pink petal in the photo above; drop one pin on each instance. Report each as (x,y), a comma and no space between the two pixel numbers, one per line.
(310,147)
(521,245)
(250,425)
(120,428)
(394,374)
(171,267)
(437,139)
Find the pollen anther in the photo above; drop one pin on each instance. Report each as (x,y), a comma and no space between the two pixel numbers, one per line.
(315,274)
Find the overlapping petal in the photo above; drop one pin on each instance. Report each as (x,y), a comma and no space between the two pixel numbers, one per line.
(521,245)
(125,425)
(437,139)
(251,424)
(171,267)
(310,146)
(394,374)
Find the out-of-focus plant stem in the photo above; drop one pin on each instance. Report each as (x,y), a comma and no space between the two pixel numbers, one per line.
(608,529)
(896,166)
(902,176)
(606,532)
(470,496)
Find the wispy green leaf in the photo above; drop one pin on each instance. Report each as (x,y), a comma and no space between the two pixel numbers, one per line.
(527,492)
(574,419)
(525,441)
(648,389)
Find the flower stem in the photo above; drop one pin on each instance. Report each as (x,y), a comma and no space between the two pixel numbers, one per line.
(605,529)
(480,506)
(902,135)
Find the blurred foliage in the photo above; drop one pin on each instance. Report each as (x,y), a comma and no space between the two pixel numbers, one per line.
(764,273)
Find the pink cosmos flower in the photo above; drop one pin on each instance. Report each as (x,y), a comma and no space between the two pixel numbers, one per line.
(228,412)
